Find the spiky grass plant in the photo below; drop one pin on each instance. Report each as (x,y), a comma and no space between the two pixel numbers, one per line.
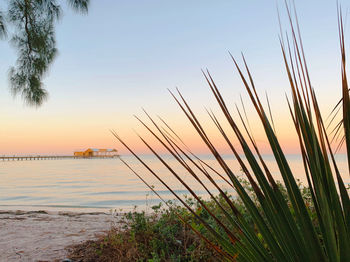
(282,229)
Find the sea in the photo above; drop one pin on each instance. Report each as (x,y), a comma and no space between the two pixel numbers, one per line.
(105,185)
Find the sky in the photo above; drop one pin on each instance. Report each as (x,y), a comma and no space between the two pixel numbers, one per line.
(124,55)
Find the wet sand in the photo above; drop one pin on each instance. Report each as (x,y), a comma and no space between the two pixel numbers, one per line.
(45,236)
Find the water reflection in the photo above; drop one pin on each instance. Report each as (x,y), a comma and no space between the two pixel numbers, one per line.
(106,183)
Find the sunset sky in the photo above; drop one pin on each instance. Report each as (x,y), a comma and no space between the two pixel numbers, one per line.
(124,55)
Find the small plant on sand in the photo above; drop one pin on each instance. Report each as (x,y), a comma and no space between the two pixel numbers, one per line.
(280,226)
(159,236)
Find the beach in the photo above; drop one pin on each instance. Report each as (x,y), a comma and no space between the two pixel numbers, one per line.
(47,235)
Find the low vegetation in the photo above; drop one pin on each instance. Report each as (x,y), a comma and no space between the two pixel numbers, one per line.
(162,236)
(159,236)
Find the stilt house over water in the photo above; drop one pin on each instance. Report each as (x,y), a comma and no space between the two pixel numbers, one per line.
(94,152)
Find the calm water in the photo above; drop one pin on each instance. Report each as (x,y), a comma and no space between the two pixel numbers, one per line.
(102,184)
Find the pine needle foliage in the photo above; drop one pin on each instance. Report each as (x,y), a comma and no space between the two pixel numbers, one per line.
(280,229)
(33,22)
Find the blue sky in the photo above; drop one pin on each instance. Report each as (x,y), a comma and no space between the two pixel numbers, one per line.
(124,55)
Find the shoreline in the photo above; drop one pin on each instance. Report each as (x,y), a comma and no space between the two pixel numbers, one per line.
(40,235)
(55,208)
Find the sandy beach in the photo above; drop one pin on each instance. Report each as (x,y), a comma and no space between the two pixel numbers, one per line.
(45,236)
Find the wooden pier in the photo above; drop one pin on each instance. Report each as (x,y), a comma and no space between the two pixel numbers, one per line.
(22,158)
